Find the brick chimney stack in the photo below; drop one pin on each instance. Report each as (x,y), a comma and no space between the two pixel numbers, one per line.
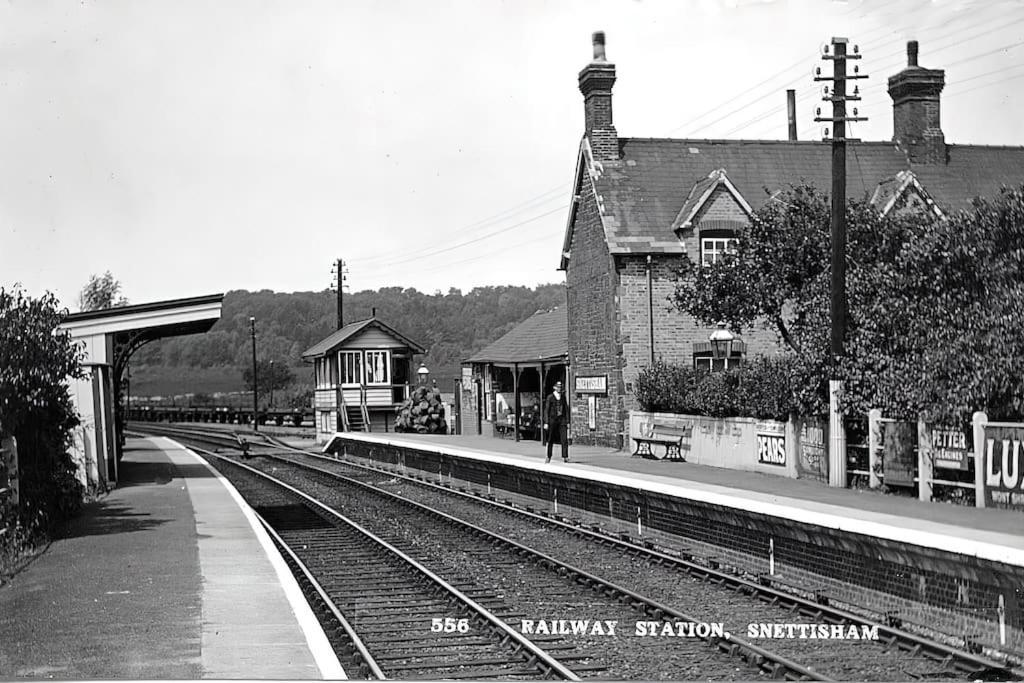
(915,112)
(596,81)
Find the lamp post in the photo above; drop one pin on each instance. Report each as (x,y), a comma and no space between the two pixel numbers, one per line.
(255,378)
(270,381)
(423,374)
(721,345)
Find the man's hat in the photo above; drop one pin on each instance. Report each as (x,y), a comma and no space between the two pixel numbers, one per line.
(558,385)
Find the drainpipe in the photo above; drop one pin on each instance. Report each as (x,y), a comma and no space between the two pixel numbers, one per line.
(650,307)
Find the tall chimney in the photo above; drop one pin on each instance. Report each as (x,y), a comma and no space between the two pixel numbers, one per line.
(915,112)
(596,81)
(791,112)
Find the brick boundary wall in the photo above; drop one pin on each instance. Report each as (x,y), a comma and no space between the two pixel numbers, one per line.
(934,590)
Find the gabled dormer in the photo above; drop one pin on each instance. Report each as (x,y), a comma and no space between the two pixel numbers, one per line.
(904,193)
(714,212)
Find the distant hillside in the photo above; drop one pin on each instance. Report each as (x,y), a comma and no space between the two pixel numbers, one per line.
(450,326)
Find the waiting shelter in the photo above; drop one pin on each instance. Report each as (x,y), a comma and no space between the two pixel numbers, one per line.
(503,386)
(110,337)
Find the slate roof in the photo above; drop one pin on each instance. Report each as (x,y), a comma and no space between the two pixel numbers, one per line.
(544,336)
(644,191)
(335,339)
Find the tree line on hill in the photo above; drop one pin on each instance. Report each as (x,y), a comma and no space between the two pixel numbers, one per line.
(450,326)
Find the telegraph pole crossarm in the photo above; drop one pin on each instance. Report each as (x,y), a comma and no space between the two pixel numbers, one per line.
(340,275)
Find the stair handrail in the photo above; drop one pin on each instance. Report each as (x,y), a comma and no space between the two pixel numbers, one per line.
(363,410)
(343,410)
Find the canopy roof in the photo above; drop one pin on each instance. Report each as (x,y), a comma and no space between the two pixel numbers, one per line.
(543,337)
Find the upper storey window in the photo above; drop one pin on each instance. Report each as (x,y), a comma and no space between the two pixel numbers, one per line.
(713,213)
(713,248)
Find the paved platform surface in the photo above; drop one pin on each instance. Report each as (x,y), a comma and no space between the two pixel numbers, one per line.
(994,534)
(166,577)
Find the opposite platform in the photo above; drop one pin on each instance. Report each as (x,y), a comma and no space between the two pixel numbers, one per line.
(996,535)
(168,576)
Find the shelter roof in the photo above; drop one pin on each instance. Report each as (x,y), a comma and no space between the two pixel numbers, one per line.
(339,337)
(171,318)
(544,336)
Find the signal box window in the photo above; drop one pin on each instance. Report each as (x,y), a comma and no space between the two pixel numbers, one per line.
(377,367)
(351,367)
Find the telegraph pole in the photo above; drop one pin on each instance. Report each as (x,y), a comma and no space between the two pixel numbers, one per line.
(839,98)
(340,275)
(255,379)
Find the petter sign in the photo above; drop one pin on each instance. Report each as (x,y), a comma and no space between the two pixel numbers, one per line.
(949,448)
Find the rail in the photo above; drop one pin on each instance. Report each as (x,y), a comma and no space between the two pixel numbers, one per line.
(543,659)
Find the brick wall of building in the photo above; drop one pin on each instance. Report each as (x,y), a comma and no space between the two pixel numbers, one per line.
(592,345)
(610,314)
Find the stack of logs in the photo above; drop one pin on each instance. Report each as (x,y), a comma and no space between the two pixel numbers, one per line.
(423,412)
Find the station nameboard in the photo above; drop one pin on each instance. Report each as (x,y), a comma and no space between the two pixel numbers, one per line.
(592,384)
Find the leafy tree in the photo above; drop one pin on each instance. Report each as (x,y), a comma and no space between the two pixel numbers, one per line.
(36,359)
(100,293)
(270,376)
(941,333)
(780,273)
(935,306)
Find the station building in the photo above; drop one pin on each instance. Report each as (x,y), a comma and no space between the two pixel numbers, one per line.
(640,204)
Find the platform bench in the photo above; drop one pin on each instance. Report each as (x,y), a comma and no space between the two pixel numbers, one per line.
(668,436)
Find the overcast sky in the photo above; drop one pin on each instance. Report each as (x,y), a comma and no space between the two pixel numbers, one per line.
(197,147)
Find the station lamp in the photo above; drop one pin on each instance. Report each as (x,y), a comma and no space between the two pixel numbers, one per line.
(721,342)
(423,374)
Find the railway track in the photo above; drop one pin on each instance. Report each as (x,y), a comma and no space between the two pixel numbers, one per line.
(702,595)
(378,596)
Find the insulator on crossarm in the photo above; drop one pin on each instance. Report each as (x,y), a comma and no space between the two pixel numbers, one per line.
(817,111)
(855,111)
(856,90)
(825,91)
(824,48)
(856,49)
(824,132)
(856,69)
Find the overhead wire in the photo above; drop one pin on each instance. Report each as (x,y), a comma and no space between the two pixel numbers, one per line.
(543,198)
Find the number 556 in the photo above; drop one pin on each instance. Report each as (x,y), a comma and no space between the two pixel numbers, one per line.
(449,625)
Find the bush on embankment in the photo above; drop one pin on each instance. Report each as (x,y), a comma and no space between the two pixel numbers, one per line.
(36,359)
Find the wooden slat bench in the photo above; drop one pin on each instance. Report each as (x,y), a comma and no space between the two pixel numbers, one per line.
(672,438)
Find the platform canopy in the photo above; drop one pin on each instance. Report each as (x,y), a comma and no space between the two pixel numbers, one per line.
(110,336)
(113,334)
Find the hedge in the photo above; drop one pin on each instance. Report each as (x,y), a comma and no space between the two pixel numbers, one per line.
(761,388)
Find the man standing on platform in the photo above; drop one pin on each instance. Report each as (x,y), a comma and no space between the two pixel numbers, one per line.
(556,420)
